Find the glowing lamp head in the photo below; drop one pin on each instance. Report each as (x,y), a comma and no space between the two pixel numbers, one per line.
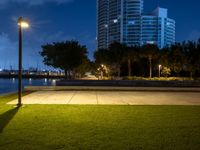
(23,23)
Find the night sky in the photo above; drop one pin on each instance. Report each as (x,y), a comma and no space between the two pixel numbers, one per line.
(60,20)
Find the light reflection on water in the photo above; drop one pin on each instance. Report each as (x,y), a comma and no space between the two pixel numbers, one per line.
(11,85)
(30,81)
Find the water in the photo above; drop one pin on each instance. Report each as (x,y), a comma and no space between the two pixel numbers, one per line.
(11,85)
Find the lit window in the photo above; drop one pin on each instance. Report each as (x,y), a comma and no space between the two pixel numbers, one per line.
(150,42)
(168,24)
(131,22)
(115,20)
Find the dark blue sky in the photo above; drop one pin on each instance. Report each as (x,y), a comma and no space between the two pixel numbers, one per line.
(59,20)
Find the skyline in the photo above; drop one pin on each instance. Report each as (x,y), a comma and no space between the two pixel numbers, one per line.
(60,20)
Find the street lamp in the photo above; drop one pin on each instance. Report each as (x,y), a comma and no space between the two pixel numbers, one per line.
(159,67)
(22,24)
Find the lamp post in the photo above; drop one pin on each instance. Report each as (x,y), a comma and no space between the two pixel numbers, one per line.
(159,69)
(22,24)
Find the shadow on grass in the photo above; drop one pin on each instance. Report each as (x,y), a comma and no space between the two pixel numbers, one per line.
(6,117)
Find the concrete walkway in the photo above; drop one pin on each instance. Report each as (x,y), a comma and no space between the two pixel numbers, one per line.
(111,98)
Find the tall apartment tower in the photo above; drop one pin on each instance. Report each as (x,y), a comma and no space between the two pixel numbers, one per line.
(102,23)
(124,21)
(157,28)
(118,20)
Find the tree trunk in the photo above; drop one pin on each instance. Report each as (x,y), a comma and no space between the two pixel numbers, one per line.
(66,74)
(74,74)
(101,74)
(191,75)
(150,67)
(70,75)
(119,71)
(129,68)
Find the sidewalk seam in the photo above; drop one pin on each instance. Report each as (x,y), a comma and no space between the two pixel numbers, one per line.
(75,92)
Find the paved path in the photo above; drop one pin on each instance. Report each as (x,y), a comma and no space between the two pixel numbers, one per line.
(111,98)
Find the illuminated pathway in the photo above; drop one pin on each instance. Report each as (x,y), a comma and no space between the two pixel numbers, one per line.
(111,98)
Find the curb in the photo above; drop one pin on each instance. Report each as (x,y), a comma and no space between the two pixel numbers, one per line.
(109,88)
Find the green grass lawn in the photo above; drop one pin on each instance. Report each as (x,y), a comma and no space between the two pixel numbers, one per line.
(52,127)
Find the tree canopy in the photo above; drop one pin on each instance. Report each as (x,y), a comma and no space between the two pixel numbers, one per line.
(180,58)
(67,56)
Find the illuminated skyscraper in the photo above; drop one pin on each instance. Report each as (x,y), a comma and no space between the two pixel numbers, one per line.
(157,28)
(124,21)
(102,23)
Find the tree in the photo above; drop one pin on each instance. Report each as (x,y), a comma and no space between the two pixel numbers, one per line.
(190,54)
(131,56)
(177,59)
(150,51)
(164,56)
(166,72)
(67,55)
(197,57)
(116,54)
(101,56)
(86,66)
(193,56)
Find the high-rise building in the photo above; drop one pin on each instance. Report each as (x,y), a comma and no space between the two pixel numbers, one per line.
(124,21)
(131,22)
(102,24)
(157,28)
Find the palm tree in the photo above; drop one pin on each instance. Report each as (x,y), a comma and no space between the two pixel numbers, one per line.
(150,51)
(131,56)
(117,53)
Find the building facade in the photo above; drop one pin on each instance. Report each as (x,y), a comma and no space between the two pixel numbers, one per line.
(102,24)
(157,28)
(124,21)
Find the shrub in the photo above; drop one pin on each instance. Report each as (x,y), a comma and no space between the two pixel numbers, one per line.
(166,72)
